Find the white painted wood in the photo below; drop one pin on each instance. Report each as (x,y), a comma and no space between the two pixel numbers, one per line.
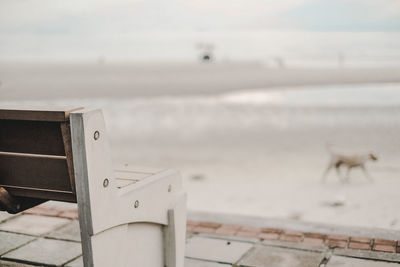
(137,244)
(130,175)
(144,169)
(120,222)
(175,233)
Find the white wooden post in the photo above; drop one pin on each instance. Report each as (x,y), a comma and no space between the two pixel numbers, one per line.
(141,224)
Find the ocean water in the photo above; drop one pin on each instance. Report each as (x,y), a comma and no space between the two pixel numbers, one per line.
(272,48)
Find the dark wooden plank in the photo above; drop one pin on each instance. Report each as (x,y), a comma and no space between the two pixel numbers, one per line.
(36,114)
(28,155)
(66,135)
(35,176)
(41,195)
(36,137)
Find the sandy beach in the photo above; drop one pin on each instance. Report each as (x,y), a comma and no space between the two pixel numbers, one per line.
(246,140)
(21,81)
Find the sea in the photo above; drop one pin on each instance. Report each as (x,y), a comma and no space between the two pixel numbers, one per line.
(269,47)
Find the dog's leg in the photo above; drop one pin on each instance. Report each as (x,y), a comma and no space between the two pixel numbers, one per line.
(323,179)
(339,174)
(347,177)
(369,177)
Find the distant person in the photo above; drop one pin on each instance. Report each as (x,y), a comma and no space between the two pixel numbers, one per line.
(206,52)
(206,57)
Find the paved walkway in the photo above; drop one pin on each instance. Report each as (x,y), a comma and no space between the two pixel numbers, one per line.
(49,236)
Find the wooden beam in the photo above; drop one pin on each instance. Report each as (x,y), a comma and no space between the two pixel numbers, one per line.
(37,176)
(27,155)
(66,134)
(41,194)
(35,137)
(36,114)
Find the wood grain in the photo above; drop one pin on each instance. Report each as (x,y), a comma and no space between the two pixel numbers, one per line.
(35,137)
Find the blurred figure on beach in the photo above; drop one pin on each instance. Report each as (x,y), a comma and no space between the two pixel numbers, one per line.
(206,52)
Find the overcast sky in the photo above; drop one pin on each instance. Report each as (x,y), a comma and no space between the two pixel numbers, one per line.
(104,16)
(140,29)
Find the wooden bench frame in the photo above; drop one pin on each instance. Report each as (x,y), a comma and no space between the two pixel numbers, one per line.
(141,222)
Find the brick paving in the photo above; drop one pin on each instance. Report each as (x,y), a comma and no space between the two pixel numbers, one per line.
(317,239)
(49,236)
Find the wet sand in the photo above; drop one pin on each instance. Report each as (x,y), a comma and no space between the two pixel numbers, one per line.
(46,81)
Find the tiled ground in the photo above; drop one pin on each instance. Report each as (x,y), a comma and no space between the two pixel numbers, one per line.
(36,240)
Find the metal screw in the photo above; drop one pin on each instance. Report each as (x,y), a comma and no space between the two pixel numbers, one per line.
(136,204)
(106,182)
(96,135)
(169,188)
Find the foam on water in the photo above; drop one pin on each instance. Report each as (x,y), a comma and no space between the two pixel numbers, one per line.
(372,95)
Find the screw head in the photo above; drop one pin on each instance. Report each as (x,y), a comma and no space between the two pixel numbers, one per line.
(136,205)
(106,182)
(96,135)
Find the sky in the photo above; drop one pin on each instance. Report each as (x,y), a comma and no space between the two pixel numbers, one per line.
(75,16)
(54,28)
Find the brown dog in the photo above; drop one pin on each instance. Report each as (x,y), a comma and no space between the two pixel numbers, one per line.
(350,161)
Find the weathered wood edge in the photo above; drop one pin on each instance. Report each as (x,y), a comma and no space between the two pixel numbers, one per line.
(66,136)
(56,115)
(82,184)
